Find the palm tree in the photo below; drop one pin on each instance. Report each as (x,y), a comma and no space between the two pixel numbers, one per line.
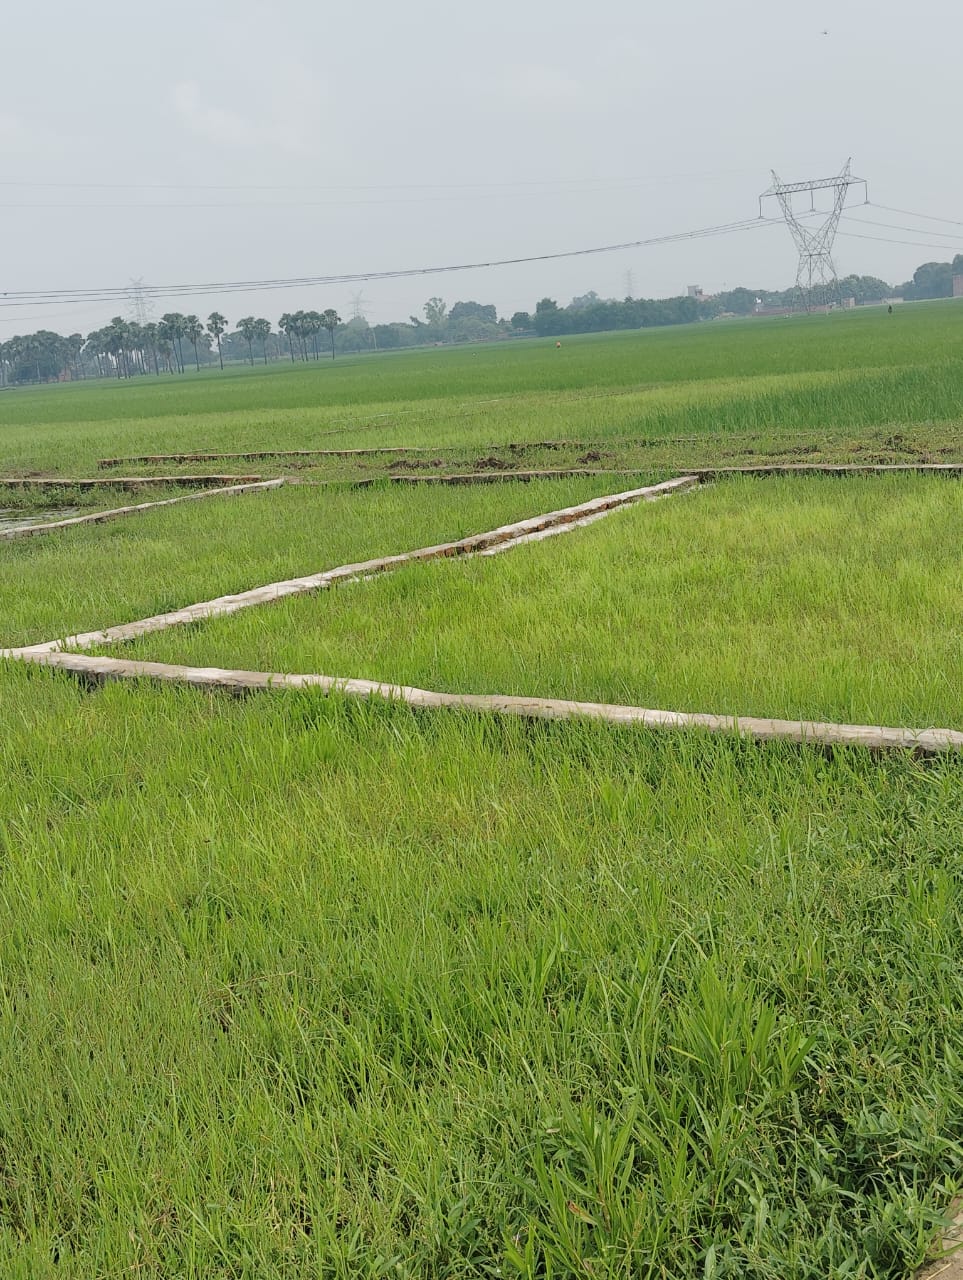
(247,328)
(302,327)
(151,341)
(216,324)
(194,331)
(311,327)
(117,344)
(134,353)
(286,325)
(165,349)
(262,331)
(173,327)
(330,321)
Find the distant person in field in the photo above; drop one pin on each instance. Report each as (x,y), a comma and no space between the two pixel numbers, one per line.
(557,345)
(890,308)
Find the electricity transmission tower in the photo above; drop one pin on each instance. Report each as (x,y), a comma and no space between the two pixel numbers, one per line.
(139,306)
(817,286)
(359,304)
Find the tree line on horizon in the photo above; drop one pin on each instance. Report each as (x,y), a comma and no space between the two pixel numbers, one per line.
(124,348)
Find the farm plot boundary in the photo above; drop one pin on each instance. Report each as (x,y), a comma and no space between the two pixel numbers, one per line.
(119,482)
(115,513)
(98,670)
(929,741)
(309,453)
(554,521)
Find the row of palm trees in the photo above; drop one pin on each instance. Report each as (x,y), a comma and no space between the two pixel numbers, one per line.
(300,327)
(124,348)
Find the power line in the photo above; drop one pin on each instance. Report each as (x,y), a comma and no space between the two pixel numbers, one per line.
(377,186)
(193,206)
(907,213)
(896,226)
(915,244)
(50,297)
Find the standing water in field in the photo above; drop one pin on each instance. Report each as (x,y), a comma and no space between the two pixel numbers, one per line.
(11,518)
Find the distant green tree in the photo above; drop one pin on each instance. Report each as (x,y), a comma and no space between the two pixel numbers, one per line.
(117,343)
(287,326)
(389,337)
(193,332)
(247,328)
(930,280)
(173,328)
(740,301)
(330,321)
(436,312)
(356,335)
(473,311)
(549,318)
(865,288)
(216,324)
(311,326)
(262,331)
(151,342)
(73,347)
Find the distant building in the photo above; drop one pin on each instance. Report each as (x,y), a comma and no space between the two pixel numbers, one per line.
(694,291)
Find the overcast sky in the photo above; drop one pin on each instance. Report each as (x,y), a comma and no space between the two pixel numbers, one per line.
(286,138)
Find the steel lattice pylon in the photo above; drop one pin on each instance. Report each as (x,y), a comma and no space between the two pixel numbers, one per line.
(817,285)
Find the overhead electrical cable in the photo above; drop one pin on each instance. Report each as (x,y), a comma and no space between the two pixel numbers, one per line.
(374,186)
(193,205)
(907,213)
(915,244)
(51,297)
(897,226)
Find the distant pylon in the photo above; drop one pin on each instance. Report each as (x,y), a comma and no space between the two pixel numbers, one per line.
(358,302)
(817,285)
(140,308)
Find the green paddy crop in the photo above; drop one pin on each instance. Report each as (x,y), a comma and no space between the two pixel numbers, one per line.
(814,598)
(293,987)
(299,986)
(99,576)
(859,374)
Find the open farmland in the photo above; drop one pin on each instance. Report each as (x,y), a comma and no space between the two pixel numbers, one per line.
(299,985)
(865,385)
(811,598)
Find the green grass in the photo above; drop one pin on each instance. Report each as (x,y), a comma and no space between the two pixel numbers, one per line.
(850,373)
(294,986)
(297,988)
(812,598)
(81,579)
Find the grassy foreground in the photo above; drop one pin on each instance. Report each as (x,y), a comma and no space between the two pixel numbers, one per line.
(297,988)
(810,598)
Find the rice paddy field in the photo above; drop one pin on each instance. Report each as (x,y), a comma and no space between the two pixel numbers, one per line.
(300,985)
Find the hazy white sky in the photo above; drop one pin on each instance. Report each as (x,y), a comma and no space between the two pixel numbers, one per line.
(286,138)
